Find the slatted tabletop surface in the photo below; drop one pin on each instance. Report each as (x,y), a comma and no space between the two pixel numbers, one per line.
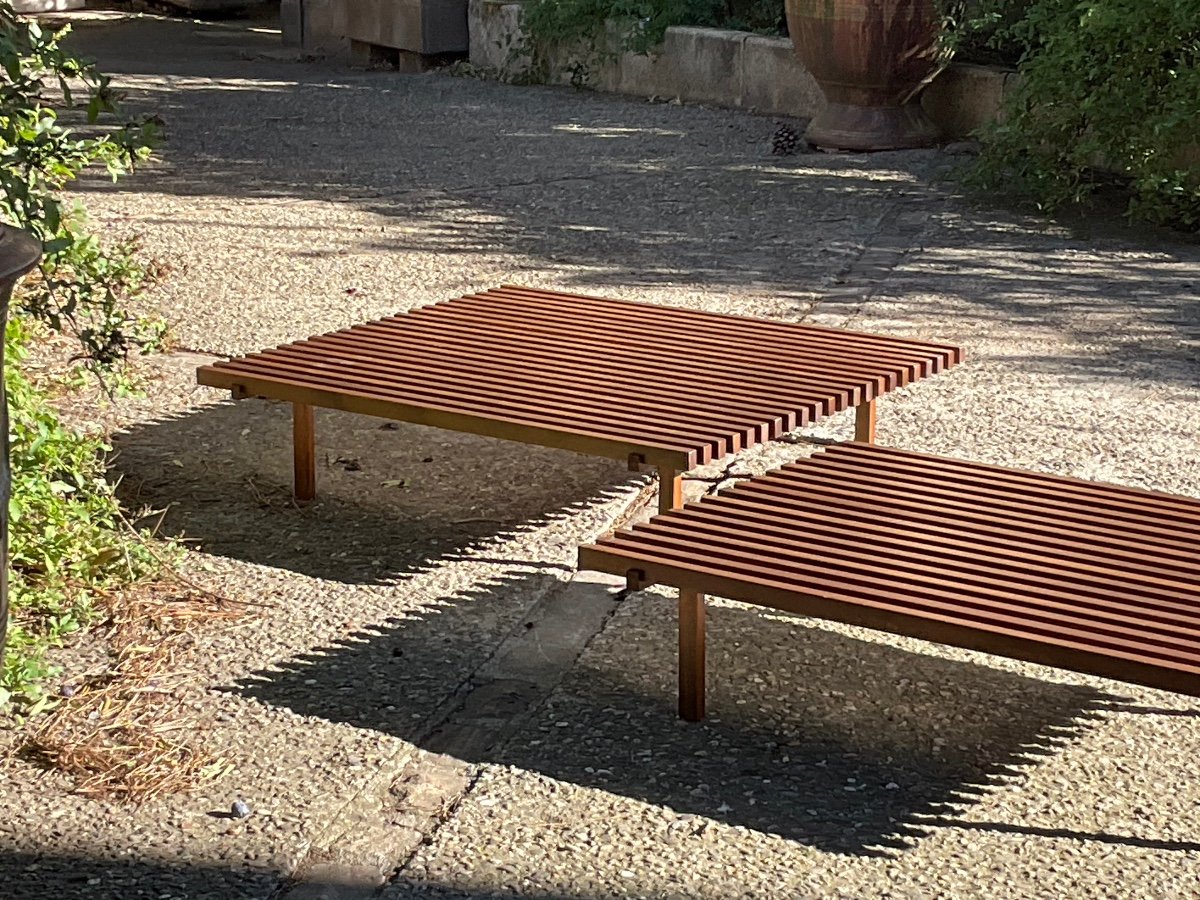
(598,375)
(1092,577)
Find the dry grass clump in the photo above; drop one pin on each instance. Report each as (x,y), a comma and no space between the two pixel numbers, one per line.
(129,732)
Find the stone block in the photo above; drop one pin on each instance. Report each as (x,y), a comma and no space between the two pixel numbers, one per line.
(644,75)
(773,80)
(702,65)
(964,97)
(495,32)
(324,27)
(291,21)
(419,26)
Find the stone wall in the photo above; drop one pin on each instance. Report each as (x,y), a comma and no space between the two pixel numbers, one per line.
(724,68)
(693,65)
(334,27)
(319,26)
(212,7)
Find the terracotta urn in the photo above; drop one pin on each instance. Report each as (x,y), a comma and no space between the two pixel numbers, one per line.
(870,58)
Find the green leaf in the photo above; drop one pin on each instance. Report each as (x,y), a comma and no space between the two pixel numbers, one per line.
(66,541)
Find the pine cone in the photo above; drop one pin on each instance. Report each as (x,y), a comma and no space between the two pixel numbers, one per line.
(786,141)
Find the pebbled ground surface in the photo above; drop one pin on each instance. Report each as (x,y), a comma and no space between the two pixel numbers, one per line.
(431,703)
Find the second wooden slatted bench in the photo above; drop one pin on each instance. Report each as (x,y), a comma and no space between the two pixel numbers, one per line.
(1090,577)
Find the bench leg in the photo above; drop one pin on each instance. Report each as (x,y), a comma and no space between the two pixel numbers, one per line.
(864,422)
(670,490)
(670,496)
(691,655)
(305,453)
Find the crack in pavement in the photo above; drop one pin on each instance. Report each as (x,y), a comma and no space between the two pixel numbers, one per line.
(894,237)
(374,836)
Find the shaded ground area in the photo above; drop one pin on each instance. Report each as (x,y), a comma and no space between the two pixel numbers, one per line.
(395,498)
(428,701)
(867,741)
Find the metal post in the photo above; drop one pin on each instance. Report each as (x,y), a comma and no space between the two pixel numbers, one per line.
(19,252)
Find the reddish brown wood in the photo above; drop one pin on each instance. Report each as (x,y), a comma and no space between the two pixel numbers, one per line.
(869,57)
(670,490)
(864,422)
(304,451)
(1092,577)
(670,387)
(691,655)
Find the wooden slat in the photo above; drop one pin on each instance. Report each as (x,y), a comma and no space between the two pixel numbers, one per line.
(841,348)
(717,395)
(663,341)
(502,365)
(1097,578)
(671,386)
(761,327)
(578,408)
(783,388)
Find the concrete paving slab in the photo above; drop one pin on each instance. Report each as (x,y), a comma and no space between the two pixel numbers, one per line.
(297,197)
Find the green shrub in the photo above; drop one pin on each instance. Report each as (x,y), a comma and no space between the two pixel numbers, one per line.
(580,24)
(984,31)
(67,543)
(1107,85)
(980,28)
(85,286)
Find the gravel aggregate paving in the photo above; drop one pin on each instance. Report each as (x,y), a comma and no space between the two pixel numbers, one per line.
(295,197)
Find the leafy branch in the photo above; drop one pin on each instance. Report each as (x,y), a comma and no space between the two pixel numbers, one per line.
(83,286)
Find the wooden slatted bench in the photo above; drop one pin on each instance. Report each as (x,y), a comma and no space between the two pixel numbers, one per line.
(658,386)
(1079,575)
